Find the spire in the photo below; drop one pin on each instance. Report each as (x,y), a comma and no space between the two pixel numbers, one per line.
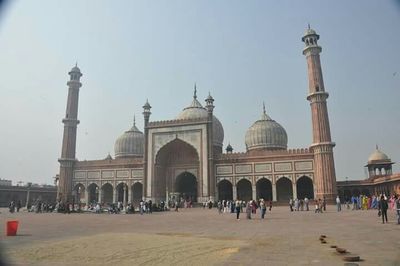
(264,108)
(76,64)
(134,120)
(309,26)
(195,91)
(376,147)
(264,115)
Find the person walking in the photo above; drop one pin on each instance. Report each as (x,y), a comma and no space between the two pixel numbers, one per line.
(237,207)
(338,204)
(383,205)
(316,206)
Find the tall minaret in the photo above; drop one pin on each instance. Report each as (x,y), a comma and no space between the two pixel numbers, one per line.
(146,114)
(70,121)
(211,177)
(322,147)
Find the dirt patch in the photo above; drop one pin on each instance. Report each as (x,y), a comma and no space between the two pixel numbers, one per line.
(128,249)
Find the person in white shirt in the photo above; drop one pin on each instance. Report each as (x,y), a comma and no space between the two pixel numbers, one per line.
(338,204)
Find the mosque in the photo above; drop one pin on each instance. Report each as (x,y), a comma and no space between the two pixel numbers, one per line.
(184,156)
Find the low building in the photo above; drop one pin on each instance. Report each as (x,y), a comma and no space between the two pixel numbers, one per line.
(20,193)
(5,182)
(381,179)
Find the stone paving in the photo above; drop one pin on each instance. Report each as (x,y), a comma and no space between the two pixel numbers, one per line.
(283,238)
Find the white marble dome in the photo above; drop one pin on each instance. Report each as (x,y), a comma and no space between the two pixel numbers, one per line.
(196,111)
(266,133)
(130,144)
(378,155)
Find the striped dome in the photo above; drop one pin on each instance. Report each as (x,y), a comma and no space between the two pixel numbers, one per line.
(129,144)
(266,134)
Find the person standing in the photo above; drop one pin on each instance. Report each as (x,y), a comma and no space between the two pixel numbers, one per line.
(306,201)
(383,207)
(263,208)
(237,206)
(398,208)
(219,207)
(296,204)
(248,210)
(150,206)
(19,204)
(324,203)
(338,204)
(291,204)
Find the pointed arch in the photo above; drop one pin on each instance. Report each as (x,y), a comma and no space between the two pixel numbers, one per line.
(225,190)
(244,190)
(107,192)
(305,187)
(264,189)
(284,189)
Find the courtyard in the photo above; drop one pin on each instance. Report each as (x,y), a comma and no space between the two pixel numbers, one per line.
(200,236)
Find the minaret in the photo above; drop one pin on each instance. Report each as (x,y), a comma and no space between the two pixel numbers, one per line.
(146,115)
(211,177)
(322,146)
(70,121)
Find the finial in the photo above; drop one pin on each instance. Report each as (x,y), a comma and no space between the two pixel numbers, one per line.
(376,146)
(264,108)
(134,120)
(195,91)
(76,64)
(309,26)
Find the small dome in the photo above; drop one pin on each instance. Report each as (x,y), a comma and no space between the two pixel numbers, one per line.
(266,134)
(76,69)
(309,32)
(229,148)
(378,156)
(196,111)
(130,144)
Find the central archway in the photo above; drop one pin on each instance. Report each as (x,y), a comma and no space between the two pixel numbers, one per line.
(186,186)
(176,157)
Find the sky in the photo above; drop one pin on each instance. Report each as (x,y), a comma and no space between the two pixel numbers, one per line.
(242,52)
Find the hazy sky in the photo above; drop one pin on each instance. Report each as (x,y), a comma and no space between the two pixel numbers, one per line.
(243,52)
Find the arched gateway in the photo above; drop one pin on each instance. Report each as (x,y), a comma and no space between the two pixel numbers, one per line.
(176,171)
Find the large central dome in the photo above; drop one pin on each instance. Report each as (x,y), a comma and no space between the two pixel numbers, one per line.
(196,111)
(267,134)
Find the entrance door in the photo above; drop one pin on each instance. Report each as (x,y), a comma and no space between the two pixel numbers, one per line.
(186,186)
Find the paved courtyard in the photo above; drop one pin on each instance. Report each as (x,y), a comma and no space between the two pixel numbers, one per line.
(201,237)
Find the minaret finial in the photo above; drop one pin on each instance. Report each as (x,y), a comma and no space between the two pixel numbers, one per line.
(264,108)
(376,146)
(195,91)
(309,26)
(134,120)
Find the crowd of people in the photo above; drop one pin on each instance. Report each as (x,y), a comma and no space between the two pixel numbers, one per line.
(381,203)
